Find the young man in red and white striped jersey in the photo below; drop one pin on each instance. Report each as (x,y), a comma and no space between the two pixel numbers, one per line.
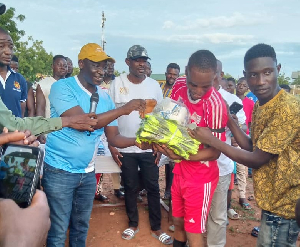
(196,179)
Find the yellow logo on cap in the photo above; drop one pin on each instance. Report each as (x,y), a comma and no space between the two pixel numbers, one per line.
(99,49)
(17,85)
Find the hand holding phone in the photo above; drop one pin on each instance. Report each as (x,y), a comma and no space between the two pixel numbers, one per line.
(20,173)
(28,226)
(235,107)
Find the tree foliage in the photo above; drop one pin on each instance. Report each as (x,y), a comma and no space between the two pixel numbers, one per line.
(33,58)
(117,73)
(76,71)
(227,75)
(8,22)
(283,80)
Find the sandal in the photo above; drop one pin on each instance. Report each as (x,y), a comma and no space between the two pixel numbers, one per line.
(232,214)
(129,233)
(250,198)
(245,206)
(255,232)
(164,238)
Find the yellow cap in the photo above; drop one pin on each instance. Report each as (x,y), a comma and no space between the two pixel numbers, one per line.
(93,52)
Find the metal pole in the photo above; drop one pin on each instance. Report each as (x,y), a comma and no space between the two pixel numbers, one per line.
(103,25)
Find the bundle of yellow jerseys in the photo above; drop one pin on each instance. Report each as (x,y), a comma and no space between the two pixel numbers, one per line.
(155,128)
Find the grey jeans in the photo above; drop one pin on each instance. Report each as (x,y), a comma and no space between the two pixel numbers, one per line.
(216,223)
(276,231)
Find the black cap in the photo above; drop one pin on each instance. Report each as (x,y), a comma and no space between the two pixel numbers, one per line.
(2,8)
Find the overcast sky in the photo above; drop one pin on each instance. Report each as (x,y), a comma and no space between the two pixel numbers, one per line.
(170,30)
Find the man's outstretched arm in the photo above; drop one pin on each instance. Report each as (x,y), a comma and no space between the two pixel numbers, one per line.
(39,125)
(254,159)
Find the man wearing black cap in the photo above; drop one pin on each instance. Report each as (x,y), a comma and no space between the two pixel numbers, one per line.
(124,88)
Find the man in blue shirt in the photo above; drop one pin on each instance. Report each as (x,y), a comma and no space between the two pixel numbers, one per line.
(69,177)
(13,86)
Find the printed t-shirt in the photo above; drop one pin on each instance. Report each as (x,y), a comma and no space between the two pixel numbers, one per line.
(13,91)
(275,129)
(248,106)
(166,92)
(122,91)
(251,96)
(69,149)
(210,111)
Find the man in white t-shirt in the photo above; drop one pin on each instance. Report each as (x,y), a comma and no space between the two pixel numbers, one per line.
(216,223)
(60,69)
(124,88)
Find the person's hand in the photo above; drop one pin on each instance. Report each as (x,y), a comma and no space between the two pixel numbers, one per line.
(143,145)
(150,104)
(82,122)
(202,134)
(28,139)
(157,157)
(42,139)
(235,119)
(6,137)
(28,226)
(116,155)
(163,149)
(233,142)
(134,105)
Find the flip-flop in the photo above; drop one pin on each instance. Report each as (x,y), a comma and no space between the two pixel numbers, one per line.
(164,238)
(130,233)
(232,214)
(246,206)
(255,232)
(250,198)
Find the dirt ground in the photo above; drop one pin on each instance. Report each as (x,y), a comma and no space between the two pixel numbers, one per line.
(109,220)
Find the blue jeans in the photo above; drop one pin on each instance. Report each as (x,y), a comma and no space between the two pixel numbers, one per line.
(70,197)
(276,231)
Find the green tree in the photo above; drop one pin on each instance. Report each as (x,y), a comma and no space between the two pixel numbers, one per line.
(296,81)
(283,80)
(33,58)
(8,22)
(227,76)
(117,73)
(76,71)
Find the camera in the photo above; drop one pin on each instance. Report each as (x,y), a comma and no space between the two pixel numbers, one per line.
(20,173)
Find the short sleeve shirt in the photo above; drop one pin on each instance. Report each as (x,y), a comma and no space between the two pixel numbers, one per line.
(69,149)
(13,91)
(248,106)
(166,92)
(210,111)
(275,129)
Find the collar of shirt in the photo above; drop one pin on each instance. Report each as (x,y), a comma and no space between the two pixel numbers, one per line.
(9,71)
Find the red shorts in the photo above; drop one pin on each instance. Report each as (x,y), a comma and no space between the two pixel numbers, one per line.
(231,186)
(192,202)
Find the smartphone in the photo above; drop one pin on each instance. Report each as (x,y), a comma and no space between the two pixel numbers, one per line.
(235,108)
(20,173)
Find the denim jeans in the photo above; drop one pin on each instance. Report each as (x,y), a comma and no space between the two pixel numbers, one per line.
(70,197)
(276,231)
(130,176)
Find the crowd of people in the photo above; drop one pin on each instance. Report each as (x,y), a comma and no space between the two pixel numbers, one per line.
(261,140)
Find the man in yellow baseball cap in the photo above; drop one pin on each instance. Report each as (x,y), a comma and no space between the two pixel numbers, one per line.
(93,52)
(69,173)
